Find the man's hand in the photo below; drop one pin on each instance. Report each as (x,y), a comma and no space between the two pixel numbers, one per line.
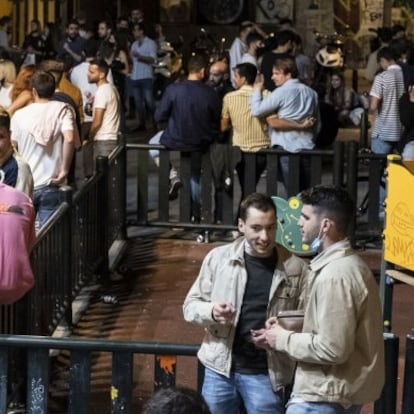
(286,125)
(59,178)
(309,122)
(259,338)
(272,330)
(223,313)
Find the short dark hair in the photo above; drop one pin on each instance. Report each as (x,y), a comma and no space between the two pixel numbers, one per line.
(44,84)
(247,70)
(106,50)
(4,20)
(107,23)
(90,48)
(397,28)
(141,26)
(72,21)
(296,38)
(196,63)
(287,65)
(258,201)
(179,400)
(387,53)
(4,118)
(332,201)
(253,37)
(55,67)
(101,64)
(282,37)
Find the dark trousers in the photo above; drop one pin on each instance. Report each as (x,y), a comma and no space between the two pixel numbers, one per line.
(240,161)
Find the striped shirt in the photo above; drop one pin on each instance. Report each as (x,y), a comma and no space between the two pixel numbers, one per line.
(388,86)
(249,132)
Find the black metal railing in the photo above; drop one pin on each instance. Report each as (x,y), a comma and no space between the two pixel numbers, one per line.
(71,248)
(80,368)
(345,164)
(325,165)
(73,245)
(165,371)
(364,178)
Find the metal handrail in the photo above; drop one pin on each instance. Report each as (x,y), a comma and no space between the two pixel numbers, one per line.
(98,345)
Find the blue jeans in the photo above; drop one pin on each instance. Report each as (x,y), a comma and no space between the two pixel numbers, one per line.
(304,172)
(320,408)
(379,146)
(155,140)
(225,395)
(143,93)
(46,200)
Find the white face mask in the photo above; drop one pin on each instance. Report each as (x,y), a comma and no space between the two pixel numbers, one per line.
(317,242)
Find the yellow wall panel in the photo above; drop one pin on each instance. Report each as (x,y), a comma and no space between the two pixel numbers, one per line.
(6,7)
(399,229)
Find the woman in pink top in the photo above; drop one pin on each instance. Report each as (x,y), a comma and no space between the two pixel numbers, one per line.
(17,235)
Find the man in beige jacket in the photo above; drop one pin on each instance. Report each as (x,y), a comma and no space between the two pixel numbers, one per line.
(238,287)
(339,353)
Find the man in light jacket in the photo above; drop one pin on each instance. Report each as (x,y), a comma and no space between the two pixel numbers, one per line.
(238,287)
(339,353)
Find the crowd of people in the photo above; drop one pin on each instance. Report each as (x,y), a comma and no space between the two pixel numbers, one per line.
(69,99)
(259,95)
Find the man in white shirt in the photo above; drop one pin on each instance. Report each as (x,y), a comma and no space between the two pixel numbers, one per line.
(254,43)
(43,132)
(103,134)
(79,77)
(239,47)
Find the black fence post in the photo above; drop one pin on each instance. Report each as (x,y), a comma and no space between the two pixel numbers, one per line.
(293,180)
(165,370)
(79,381)
(185,192)
(142,186)
(122,382)
(363,131)
(163,185)
(387,293)
(122,189)
(207,189)
(4,367)
(386,404)
(66,194)
(37,381)
(352,182)
(338,163)
(102,166)
(408,389)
